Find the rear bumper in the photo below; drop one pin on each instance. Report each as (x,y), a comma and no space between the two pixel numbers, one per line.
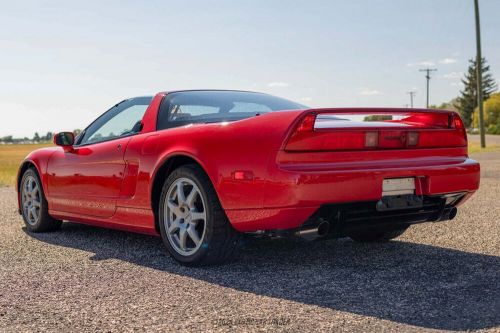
(295,194)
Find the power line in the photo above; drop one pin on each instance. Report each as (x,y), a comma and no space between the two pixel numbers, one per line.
(412,94)
(428,77)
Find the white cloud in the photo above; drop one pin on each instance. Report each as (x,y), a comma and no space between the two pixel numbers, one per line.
(370,92)
(306,99)
(453,75)
(278,84)
(447,61)
(421,63)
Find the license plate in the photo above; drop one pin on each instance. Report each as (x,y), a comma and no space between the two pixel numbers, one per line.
(398,186)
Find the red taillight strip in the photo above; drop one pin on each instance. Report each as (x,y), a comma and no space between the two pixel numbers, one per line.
(425,131)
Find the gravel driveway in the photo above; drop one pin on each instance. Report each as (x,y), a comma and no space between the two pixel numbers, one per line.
(443,276)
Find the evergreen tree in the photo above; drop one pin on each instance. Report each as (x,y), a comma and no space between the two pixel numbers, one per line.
(467,101)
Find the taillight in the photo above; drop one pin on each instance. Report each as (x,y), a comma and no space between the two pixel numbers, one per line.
(456,122)
(307,123)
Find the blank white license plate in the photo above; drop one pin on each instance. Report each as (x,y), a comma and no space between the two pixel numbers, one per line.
(398,186)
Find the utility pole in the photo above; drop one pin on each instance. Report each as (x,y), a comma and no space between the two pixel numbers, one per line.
(428,77)
(479,74)
(412,94)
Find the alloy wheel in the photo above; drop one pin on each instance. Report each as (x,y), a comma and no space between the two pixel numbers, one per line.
(185,216)
(31,200)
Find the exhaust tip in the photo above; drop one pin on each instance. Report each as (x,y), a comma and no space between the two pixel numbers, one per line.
(318,231)
(453,212)
(323,228)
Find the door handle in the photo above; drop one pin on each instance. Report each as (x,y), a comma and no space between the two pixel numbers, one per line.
(119,147)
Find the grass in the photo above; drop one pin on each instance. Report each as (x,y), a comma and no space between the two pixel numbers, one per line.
(11,157)
(476,148)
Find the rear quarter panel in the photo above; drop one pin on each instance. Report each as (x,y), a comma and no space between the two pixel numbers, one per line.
(221,149)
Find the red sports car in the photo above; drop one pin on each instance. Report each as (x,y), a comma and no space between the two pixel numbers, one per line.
(202,167)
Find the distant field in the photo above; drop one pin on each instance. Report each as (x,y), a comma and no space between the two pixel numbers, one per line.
(12,155)
(476,148)
(10,158)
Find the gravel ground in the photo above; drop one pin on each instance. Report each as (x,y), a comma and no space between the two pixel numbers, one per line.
(436,277)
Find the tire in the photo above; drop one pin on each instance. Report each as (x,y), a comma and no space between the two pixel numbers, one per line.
(34,206)
(200,233)
(377,235)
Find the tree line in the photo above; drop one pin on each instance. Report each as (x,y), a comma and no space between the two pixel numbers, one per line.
(466,103)
(36,138)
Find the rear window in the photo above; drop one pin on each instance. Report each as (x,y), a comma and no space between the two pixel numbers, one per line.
(189,107)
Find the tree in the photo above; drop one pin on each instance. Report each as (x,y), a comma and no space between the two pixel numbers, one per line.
(491,114)
(48,136)
(36,137)
(7,139)
(467,101)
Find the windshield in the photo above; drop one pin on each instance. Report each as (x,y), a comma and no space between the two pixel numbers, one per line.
(205,106)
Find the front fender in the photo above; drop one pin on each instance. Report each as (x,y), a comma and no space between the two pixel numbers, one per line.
(39,159)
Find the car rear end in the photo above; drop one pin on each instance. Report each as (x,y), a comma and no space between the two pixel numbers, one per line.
(364,168)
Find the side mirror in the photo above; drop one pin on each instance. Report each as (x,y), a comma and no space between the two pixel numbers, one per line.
(64,139)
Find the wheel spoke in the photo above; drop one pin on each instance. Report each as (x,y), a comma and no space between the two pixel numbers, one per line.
(193,234)
(30,214)
(182,238)
(35,203)
(181,198)
(34,213)
(27,187)
(195,216)
(173,207)
(34,191)
(191,197)
(174,226)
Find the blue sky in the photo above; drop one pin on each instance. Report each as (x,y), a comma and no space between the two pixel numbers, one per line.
(62,63)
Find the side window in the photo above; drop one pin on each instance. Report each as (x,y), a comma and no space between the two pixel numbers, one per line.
(121,120)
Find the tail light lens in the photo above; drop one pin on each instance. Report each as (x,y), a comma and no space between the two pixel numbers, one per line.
(307,124)
(412,139)
(456,122)
(371,139)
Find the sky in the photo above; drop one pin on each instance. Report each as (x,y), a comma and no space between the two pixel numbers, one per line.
(63,63)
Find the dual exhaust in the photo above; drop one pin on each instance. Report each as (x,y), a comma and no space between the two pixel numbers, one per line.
(323,227)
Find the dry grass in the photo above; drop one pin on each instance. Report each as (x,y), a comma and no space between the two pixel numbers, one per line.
(11,157)
(476,148)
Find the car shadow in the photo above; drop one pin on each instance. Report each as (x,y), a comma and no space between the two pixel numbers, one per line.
(409,283)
